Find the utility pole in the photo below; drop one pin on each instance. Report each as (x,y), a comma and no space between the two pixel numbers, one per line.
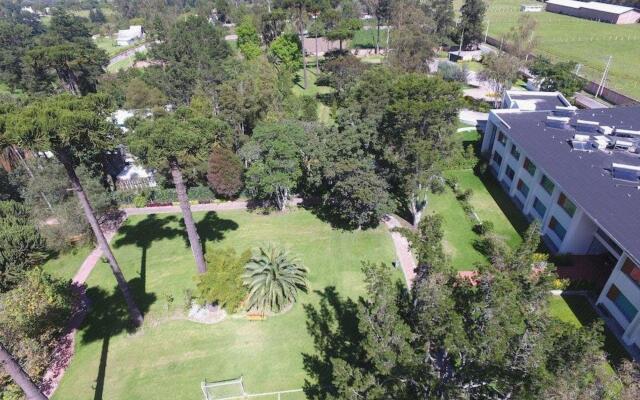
(604,78)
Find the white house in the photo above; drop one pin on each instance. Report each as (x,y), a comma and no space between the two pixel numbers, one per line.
(578,173)
(127,37)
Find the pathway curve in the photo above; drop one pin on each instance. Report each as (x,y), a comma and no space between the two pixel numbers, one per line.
(403,250)
(61,357)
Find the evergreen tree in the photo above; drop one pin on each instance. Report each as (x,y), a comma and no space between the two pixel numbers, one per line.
(471,25)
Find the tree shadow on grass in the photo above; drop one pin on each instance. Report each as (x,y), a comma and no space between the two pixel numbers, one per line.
(502,199)
(108,316)
(333,325)
(211,228)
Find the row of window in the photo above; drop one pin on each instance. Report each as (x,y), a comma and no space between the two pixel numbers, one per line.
(622,303)
(631,270)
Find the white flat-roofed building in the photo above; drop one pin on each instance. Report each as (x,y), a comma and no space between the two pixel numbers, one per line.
(577,172)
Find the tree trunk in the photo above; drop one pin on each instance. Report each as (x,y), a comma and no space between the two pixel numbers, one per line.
(386,53)
(18,375)
(134,313)
(317,62)
(378,36)
(192,232)
(26,167)
(304,59)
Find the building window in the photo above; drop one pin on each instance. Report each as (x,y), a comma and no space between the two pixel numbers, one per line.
(622,303)
(502,138)
(631,270)
(529,166)
(510,172)
(497,158)
(546,184)
(523,188)
(558,229)
(566,205)
(609,241)
(514,152)
(539,207)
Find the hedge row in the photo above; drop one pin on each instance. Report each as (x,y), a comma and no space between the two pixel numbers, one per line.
(161,196)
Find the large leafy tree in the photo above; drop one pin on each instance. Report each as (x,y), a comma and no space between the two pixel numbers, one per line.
(412,40)
(274,278)
(225,172)
(193,52)
(21,246)
(414,131)
(449,337)
(68,53)
(471,25)
(177,142)
(557,77)
(75,130)
(277,170)
(15,41)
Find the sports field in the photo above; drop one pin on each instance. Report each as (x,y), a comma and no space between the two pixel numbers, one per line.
(586,42)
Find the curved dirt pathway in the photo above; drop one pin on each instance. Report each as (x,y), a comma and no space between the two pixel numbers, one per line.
(61,357)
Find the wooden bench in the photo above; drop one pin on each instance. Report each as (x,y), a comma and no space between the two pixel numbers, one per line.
(256,317)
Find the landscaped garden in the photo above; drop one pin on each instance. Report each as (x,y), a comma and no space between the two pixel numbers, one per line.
(170,356)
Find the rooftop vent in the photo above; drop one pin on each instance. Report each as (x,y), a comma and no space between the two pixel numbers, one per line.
(581,142)
(565,111)
(587,126)
(605,130)
(627,133)
(626,172)
(557,122)
(601,142)
(623,144)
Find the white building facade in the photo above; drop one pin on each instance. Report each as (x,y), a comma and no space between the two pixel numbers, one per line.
(533,174)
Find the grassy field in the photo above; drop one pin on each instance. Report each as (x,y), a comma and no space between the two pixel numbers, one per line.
(109,45)
(65,265)
(170,356)
(586,42)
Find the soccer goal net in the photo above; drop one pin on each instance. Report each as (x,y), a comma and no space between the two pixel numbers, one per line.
(224,390)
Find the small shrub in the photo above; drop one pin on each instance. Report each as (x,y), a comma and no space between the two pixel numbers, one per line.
(140,200)
(491,246)
(187,299)
(477,104)
(483,227)
(560,284)
(222,283)
(452,72)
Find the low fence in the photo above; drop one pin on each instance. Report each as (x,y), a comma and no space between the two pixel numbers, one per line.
(591,74)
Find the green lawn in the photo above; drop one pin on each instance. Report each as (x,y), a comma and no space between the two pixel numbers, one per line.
(366,38)
(109,45)
(586,42)
(169,356)
(65,265)
(125,63)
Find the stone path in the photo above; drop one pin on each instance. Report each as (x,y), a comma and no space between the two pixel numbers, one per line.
(403,251)
(61,357)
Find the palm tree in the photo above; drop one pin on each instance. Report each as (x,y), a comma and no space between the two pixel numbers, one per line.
(21,378)
(274,278)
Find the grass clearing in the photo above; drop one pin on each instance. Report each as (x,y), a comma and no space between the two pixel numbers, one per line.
(324,111)
(172,355)
(66,265)
(567,38)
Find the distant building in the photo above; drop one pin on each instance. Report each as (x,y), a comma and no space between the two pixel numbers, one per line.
(532,7)
(577,172)
(595,11)
(533,101)
(127,37)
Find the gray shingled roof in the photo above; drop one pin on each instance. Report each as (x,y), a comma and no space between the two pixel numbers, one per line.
(613,204)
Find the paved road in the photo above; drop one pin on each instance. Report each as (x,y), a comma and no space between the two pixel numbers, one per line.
(403,250)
